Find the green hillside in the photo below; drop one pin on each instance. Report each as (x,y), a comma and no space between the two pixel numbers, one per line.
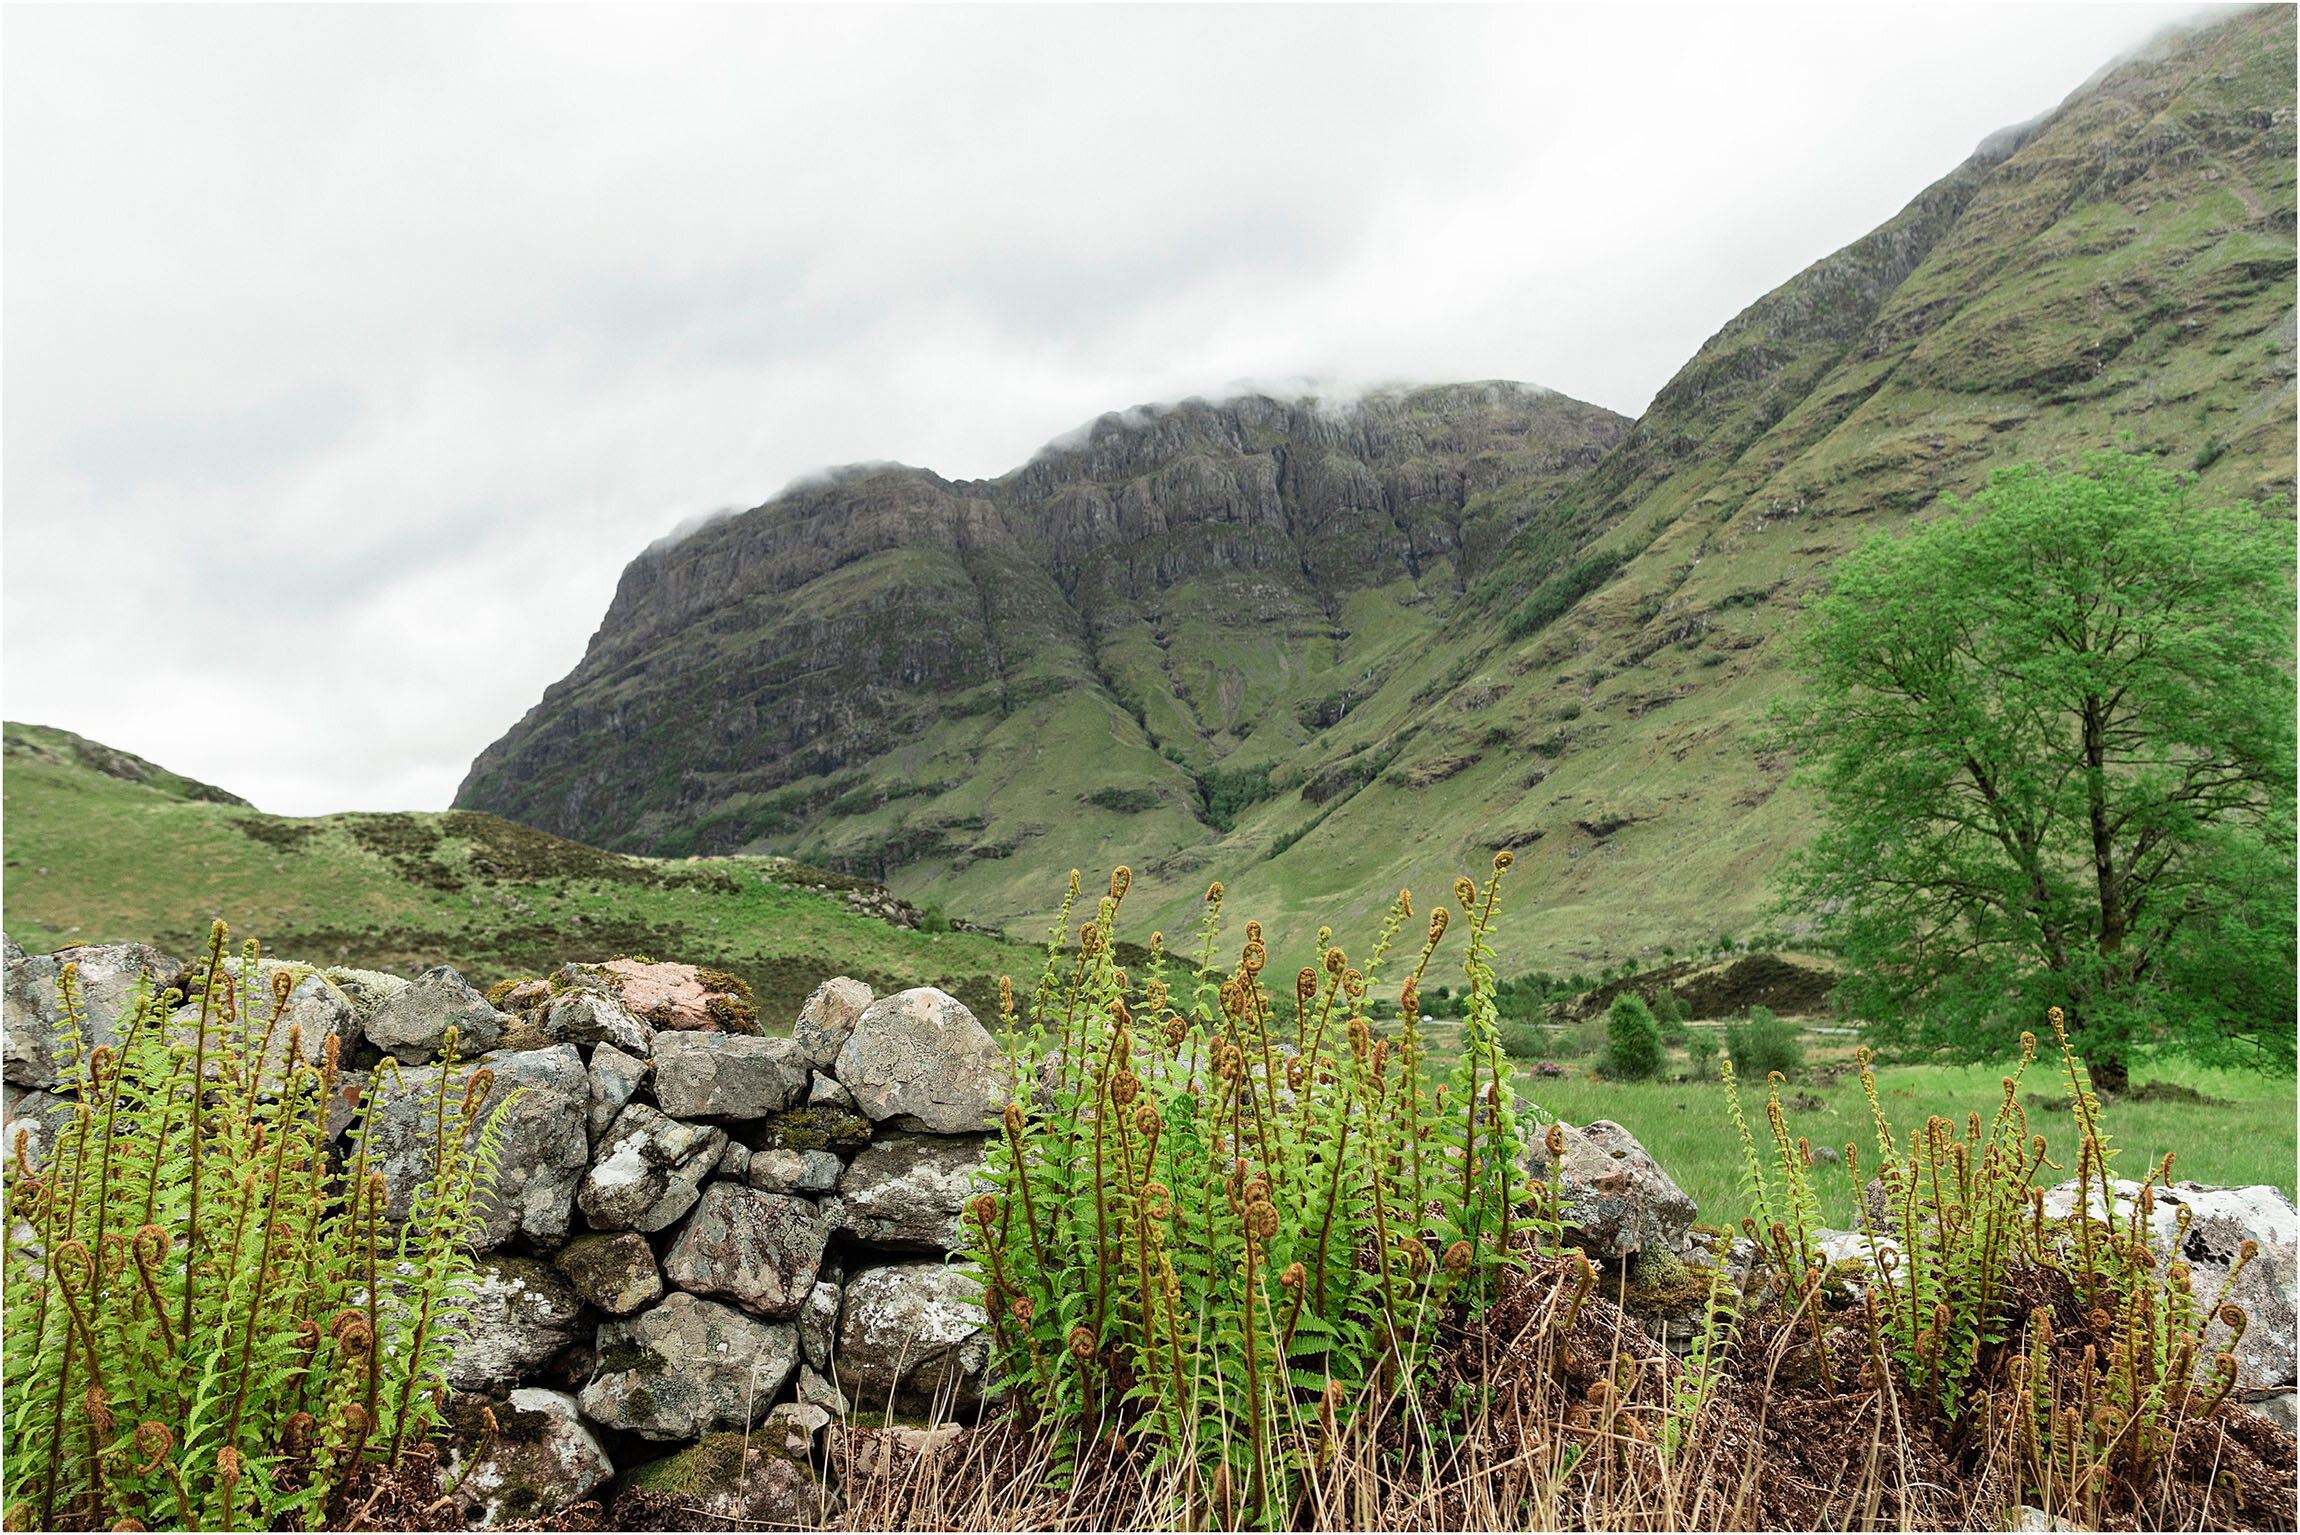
(94,855)
(1320,651)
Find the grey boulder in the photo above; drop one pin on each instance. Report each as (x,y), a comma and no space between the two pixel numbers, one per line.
(2218,1221)
(541,1459)
(906,1192)
(825,1093)
(315,1008)
(1614,1199)
(758,1250)
(586,1017)
(412,1023)
(913,1339)
(615,1272)
(615,1076)
(819,1322)
(536,1111)
(828,1018)
(519,1314)
(687,1367)
(727,1076)
(793,1172)
(920,1059)
(35,1047)
(648,1169)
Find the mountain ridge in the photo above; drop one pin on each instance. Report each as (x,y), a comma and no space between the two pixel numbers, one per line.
(1227,640)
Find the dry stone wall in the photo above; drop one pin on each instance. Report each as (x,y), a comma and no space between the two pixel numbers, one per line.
(701,1247)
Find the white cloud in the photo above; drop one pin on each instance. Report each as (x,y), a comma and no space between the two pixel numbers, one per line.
(351,351)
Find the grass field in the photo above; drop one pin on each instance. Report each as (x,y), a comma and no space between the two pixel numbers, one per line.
(1686,1127)
(96,858)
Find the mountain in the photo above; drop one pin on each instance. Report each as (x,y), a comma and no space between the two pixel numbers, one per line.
(1320,651)
(102,847)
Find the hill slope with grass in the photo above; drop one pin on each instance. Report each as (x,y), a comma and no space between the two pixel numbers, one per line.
(97,855)
(1322,653)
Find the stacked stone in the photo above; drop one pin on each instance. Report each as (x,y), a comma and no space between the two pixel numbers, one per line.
(691,1233)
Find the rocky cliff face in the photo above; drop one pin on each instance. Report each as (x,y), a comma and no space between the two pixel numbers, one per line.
(1173,562)
(1323,653)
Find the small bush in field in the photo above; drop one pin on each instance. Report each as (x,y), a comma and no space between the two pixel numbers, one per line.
(1761,1044)
(1632,1041)
(1669,1016)
(1521,1037)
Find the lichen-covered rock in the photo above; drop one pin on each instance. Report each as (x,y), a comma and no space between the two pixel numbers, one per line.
(541,1460)
(33,1045)
(41,1116)
(913,1339)
(411,1024)
(825,1093)
(2219,1221)
(588,1018)
(647,1170)
(920,1059)
(315,1009)
(839,1131)
(540,1154)
(688,1366)
(828,1018)
(520,1314)
(819,1322)
(758,1250)
(615,1076)
(735,1163)
(1615,1200)
(727,1076)
(906,1192)
(735,1482)
(793,1172)
(613,1271)
(816,1390)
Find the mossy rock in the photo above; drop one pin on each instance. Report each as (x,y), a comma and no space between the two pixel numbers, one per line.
(815,1129)
(1665,1287)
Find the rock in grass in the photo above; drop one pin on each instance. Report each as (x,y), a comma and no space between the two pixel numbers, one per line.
(541,1149)
(520,1314)
(828,1018)
(920,1059)
(648,1169)
(758,1250)
(411,1025)
(613,1271)
(687,1367)
(542,1458)
(735,1482)
(2220,1221)
(1616,1200)
(906,1192)
(727,1076)
(34,1046)
(913,1337)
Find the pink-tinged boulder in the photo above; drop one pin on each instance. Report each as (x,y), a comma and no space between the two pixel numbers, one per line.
(666,995)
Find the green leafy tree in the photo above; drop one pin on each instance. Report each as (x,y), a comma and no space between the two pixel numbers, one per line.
(2053,735)
(1632,1041)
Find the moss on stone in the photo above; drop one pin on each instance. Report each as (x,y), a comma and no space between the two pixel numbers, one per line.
(816,1129)
(623,1355)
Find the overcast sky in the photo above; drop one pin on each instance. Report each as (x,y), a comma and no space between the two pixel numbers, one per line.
(350,352)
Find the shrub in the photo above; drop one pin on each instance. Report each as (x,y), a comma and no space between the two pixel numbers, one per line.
(1669,1015)
(933,918)
(1761,1044)
(1701,1048)
(1632,1041)
(1521,1037)
(1223,1248)
(197,1334)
